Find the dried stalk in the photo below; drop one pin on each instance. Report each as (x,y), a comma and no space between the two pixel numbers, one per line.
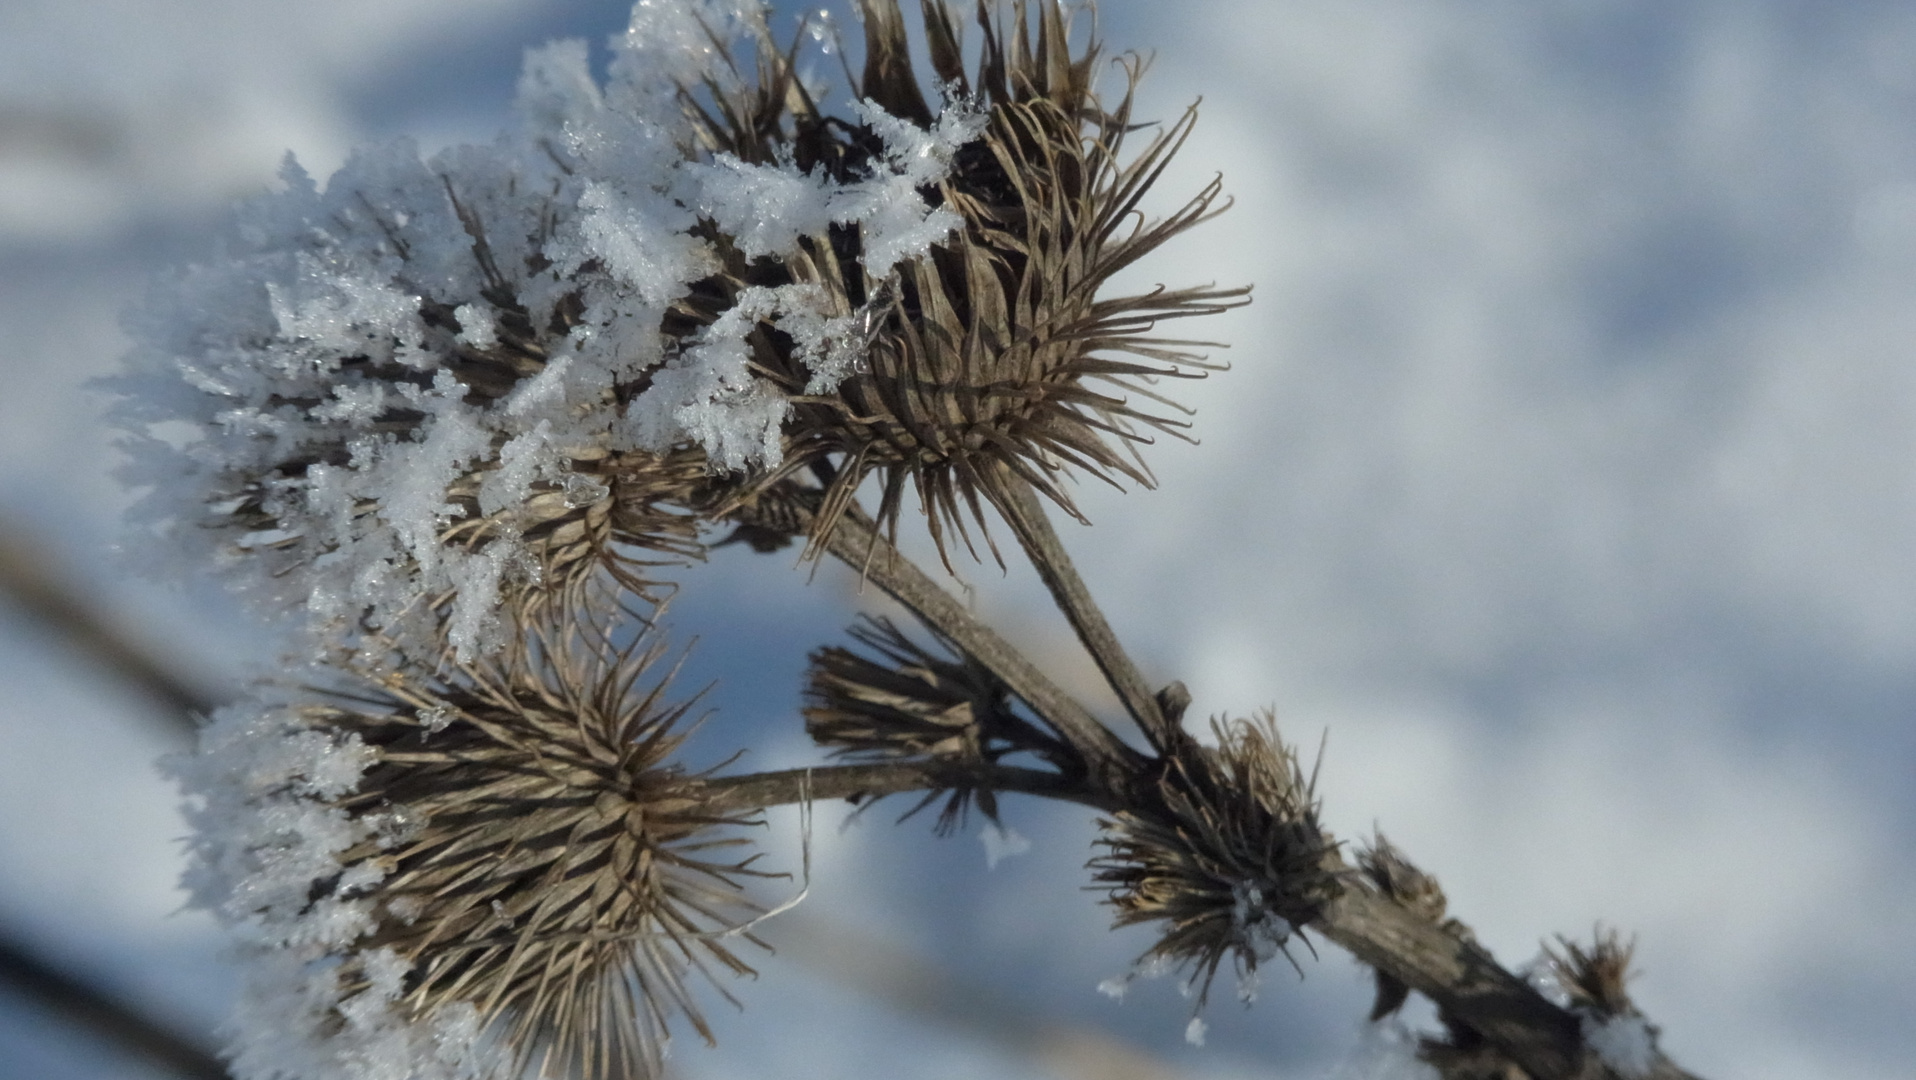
(1463,979)
(1027,518)
(726,794)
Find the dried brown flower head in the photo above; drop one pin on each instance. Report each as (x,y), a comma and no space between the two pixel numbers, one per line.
(992,360)
(540,857)
(901,701)
(615,516)
(1592,983)
(1225,851)
(442,412)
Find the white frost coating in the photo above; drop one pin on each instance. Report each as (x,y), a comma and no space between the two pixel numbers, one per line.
(1625,1043)
(766,208)
(323,358)
(1148,968)
(669,42)
(257,794)
(1194,1031)
(708,393)
(525,458)
(1001,842)
(898,224)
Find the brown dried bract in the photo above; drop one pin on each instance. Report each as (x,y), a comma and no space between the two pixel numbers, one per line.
(1225,851)
(992,360)
(541,857)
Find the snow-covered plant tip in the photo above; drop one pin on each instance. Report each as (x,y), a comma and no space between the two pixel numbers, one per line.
(467,415)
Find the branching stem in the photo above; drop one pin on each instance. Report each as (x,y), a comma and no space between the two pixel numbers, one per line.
(753,791)
(1460,976)
(1467,983)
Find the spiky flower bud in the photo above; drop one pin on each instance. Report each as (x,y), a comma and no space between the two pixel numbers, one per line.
(1224,851)
(425,386)
(393,399)
(507,851)
(901,701)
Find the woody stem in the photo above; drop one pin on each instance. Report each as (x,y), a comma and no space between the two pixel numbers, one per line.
(1027,518)
(754,791)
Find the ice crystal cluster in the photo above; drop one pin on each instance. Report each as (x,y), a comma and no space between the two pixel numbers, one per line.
(266,830)
(380,374)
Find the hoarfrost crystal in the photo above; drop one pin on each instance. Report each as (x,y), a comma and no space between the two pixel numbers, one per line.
(1625,1043)
(383,371)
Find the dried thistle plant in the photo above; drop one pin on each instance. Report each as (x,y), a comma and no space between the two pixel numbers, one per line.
(1384,869)
(463,409)
(1595,979)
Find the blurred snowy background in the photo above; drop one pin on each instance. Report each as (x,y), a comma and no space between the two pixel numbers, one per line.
(1566,475)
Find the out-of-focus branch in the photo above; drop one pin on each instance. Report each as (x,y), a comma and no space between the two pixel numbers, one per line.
(86,1006)
(1468,983)
(27,578)
(28,581)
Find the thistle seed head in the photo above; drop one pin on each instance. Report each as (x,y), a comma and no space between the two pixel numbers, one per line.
(898,700)
(992,359)
(1225,852)
(538,857)
(401,427)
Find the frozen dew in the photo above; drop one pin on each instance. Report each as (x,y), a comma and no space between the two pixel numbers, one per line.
(582,491)
(1247,985)
(821,30)
(1258,930)
(477,327)
(1149,967)
(1627,1044)
(1194,1031)
(1001,842)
